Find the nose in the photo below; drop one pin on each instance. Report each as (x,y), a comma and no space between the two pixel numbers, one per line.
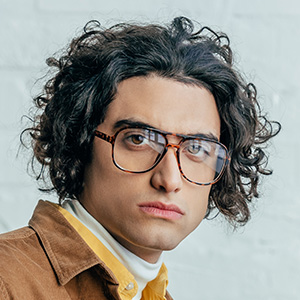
(166,175)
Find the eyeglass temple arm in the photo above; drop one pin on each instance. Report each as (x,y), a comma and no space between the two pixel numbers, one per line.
(104,136)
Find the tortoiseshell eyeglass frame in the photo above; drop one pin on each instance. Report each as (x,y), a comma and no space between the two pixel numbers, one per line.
(112,138)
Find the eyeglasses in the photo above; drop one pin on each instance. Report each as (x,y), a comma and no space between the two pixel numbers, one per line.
(140,149)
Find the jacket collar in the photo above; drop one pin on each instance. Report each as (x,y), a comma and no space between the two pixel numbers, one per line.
(67,252)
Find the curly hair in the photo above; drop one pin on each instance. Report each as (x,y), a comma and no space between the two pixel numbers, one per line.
(75,100)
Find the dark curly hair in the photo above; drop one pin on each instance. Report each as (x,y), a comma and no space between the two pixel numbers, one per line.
(75,100)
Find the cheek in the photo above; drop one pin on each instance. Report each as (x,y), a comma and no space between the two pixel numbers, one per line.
(197,201)
(98,177)
(102,167)
(111,182)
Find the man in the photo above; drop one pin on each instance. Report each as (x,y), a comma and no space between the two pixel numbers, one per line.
(143,130)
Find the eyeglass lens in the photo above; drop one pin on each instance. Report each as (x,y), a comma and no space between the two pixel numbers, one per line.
(138,150)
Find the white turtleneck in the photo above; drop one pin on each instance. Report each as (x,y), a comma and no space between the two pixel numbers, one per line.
(142,271)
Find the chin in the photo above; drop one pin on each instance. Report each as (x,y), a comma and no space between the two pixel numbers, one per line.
(164,246)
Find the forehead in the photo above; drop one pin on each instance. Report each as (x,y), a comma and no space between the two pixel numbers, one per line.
(164,104)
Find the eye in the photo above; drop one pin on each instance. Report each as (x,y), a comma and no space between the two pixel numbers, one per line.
(136,139)
(197,150)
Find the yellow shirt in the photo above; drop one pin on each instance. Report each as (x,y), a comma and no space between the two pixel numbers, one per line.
(154,290)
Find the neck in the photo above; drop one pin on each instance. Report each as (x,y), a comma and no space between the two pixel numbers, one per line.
(144,253)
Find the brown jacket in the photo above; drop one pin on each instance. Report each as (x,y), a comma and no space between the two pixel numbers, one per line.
(49,260)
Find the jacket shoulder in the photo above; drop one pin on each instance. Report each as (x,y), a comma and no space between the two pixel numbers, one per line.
(25,271)
(16,234)
(15,247)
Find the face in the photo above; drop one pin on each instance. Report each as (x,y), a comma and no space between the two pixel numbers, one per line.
(150,212)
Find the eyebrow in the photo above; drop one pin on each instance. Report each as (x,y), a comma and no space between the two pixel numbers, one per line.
(131,122)
(135,123)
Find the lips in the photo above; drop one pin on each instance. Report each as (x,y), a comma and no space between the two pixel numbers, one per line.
(162,210)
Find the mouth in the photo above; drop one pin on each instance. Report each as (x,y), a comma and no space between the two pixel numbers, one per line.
(162,210)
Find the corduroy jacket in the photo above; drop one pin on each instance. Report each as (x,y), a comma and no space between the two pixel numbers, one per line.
(49,260)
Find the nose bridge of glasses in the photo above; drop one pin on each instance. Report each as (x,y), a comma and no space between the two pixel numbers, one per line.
(175,152)
(171,145)
(175,145)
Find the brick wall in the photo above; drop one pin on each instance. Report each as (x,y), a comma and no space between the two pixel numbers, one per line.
(260,261)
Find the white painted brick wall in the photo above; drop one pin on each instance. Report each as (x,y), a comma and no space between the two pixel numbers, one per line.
(258,262)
